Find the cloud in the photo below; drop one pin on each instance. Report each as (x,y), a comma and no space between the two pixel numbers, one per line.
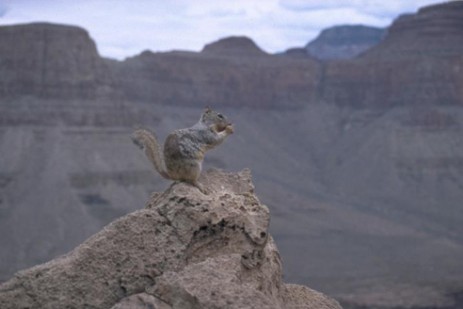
(3,9)
(124,28)
(378,8)
(369,5)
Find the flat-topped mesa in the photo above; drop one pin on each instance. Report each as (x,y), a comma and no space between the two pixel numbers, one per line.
(434,30)
(203,251)
(344,42)
(50,61)
(234,46)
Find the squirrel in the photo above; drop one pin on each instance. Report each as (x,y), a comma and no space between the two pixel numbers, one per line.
(183,152)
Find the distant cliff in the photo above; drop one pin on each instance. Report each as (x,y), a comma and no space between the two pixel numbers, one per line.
(234,46)
(434,30)
(61,62)
(51,61)
(218,78)
(344,42)
(418,63)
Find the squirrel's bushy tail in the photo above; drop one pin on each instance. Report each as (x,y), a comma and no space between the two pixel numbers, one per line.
(147,141)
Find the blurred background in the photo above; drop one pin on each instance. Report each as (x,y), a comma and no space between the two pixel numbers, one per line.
(349,115)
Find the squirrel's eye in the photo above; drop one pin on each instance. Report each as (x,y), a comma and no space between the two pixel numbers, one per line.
(220,116)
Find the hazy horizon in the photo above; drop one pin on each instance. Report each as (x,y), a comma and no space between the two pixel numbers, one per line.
(122,29)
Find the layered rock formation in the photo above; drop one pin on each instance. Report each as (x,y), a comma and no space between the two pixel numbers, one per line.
(433,31)
(418,62)
(61,62)
(184,250)
(234,77)
(344,42)
(51,61)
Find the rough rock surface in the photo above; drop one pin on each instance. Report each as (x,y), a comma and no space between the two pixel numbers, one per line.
(184,250)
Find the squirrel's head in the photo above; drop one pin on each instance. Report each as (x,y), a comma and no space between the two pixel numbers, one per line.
(210,117)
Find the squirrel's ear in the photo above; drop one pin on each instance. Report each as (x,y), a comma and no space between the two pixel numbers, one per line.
(207,109)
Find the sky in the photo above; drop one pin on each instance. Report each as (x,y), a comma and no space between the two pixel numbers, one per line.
(124,28)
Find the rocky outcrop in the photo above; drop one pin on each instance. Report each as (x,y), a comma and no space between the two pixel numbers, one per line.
(296,52)
(418,63)
(51,61)
(234,46)
(61,62)
(219,79)
(422,81)
(344,42)
(434,31)
(184,250)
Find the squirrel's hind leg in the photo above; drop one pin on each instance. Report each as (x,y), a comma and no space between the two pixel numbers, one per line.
(198,185)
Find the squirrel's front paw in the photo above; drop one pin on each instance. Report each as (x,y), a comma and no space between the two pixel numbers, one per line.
(229,129)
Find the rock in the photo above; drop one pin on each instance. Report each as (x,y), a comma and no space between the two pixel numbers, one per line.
(234,46)
(184,250)
(228,78)
(418,63)
(344,42)
(141,301)
(297,52)
(433,30)
(62,62)
(51,61)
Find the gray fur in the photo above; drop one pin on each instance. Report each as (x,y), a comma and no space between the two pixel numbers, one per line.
(184,149)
